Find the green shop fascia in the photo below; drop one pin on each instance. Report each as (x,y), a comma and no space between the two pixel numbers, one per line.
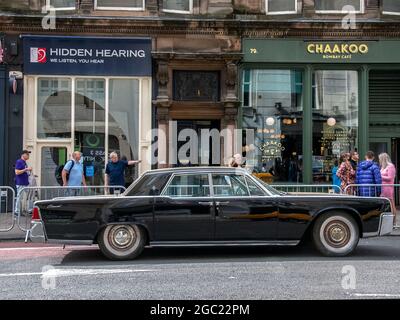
(305,102)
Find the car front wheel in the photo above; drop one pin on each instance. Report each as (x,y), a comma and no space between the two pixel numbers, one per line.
(121,242)
(336,234)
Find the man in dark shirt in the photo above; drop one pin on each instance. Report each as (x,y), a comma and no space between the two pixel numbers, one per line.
(354,157)
(21,176)
(115,170)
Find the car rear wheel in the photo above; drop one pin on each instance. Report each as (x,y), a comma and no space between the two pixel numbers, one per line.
(336,234)
(122,241)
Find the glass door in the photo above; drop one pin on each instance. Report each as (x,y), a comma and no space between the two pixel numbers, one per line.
(51,158)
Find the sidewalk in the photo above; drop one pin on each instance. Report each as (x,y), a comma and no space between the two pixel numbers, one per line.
(15,233)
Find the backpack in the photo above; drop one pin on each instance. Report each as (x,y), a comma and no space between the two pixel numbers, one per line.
(59,170)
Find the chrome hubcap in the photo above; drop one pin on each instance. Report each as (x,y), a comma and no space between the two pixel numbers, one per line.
(122,237)
(337,234)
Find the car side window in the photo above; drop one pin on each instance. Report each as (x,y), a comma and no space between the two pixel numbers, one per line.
(254,189)
(149,185)
(188,185)
(229,185)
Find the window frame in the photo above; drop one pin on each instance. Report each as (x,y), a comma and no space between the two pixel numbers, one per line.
(172,177)
(392,13)
(142,8)
(281,12)
(361,11)
(49,5)
(190,11)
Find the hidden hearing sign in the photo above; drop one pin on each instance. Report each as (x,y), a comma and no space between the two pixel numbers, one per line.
(98,56)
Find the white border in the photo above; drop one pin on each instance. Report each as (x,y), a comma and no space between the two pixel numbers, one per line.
(281,12)
(180,11)
(142,8)
(50,6)
(361,11)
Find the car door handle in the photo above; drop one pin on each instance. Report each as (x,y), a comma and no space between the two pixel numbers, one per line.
(205,203)
(219,203)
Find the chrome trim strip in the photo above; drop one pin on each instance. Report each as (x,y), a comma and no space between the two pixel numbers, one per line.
(223,243)
(74,242)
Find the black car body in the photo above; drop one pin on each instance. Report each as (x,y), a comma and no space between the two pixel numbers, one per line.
(209,206)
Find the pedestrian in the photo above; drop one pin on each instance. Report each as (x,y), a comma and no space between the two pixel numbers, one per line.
(354,158)
(22,172)
(345,173)
(73,175)
(368,172)
(115,171)
(236,161)
(336,182)
(388,173)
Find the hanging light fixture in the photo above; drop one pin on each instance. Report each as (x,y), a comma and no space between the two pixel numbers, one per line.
(331,122)
(270,121)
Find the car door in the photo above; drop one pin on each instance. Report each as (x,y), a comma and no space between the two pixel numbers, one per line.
(185,210)
(244,211)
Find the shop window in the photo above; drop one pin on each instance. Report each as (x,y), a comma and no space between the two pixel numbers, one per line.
(196,86)
(273,123)
(133,5)
(123,122)
(54,108)
(90,127)
(391,7)
(178,6)
(281,6)
(335,119)
(61,4)
(329,6)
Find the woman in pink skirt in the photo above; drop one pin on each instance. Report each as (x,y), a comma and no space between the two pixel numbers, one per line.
(388,172)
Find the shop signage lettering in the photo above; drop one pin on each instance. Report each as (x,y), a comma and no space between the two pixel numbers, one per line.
(51,55)
(337,51)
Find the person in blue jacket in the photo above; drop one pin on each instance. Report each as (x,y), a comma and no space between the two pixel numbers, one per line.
(336,182)
(368,172)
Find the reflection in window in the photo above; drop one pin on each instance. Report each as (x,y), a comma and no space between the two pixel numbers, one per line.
(335,119)
(62,4)
(281,6)
(120,4)
(337,5)
(54,108)
(123,136)
(184,6)
(275,115)
(189,186)
(391,6)
(90,127)
(51,159)
(226,185)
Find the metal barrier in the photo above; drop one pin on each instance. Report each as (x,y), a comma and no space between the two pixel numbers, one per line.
(7,203)
(29,195)
(307,188)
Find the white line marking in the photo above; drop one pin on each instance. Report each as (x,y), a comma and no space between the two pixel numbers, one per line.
(73,272)
(377,295)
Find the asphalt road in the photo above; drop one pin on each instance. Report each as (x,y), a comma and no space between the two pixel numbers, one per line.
(32,272)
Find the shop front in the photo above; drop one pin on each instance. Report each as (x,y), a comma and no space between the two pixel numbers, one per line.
(87,94)
(308,101)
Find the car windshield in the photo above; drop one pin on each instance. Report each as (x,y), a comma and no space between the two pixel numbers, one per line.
(271,190)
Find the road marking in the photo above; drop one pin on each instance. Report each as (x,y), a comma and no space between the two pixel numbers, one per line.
(73,272)
(377,295)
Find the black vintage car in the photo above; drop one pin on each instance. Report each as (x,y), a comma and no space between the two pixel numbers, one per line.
(209,207)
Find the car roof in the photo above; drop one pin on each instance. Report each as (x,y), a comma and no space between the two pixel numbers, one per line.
(197,170)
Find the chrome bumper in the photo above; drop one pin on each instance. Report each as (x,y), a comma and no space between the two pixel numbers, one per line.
(385,226)
(36,233)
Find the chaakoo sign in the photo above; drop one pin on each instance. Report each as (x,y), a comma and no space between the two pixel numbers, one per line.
(302,51)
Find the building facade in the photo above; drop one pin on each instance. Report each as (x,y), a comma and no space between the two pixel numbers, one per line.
(303,80)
